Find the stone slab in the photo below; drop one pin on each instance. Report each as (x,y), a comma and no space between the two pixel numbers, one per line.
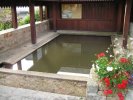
(93,96)
(42,74)
(11,93)
(72,32)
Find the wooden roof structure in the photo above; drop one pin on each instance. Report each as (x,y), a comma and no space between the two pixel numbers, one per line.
(9,3)
(123,10)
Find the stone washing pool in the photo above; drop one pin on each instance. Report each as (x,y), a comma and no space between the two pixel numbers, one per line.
(66,53)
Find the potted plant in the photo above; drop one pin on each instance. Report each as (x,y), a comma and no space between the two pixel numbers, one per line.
(114,73)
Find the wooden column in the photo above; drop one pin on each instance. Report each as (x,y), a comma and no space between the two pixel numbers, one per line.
(119,16)
(54,16)
(46,12)
(41,12)
(126,24)
(32,22)
(14,16)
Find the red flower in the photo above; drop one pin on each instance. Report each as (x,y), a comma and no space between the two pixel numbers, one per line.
(123,60)
(107,81)
(110,91)
(120,95)
(100,55)
(125,82)
(107,92)
(119,86)
(122,86)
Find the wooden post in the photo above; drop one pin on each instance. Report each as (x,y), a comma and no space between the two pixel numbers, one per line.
(46,12)
(119,16)
(19,65)
(41,12)
(32,22)
(14,16)
(126,24)
(54,16)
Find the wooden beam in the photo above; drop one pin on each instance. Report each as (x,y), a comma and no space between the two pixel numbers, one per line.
(128,6)
(41,12)
(14,16)
(32,22)
(119,16)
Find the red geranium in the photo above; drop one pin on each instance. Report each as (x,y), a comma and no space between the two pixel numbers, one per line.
(123,60)
(125,82)
(100,55)
(107,81)
(123,85)
(120,95)
(107,92)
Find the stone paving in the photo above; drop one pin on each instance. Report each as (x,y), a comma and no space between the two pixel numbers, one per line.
(11,93)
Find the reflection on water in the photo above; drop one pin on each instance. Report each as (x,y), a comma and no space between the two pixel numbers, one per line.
(66,51)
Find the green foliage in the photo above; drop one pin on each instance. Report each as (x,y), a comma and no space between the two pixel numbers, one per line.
(5,25)
(5,19)
(37,17)
(26,19)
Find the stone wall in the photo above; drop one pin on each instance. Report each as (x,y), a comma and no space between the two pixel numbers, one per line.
(46,82)
(14,37)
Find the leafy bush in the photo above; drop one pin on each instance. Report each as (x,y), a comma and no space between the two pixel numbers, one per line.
(5,18)
(26,19)
(5,25)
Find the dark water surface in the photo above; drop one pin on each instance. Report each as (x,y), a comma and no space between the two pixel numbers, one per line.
(67,51)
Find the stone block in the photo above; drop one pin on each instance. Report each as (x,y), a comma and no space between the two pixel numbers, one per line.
(93,96)
(113,98)
(92,86)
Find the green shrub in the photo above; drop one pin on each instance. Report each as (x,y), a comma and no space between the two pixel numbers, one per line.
(5,19)
(5,25)
(26,19)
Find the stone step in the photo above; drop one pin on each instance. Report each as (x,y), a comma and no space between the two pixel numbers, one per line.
(74,71)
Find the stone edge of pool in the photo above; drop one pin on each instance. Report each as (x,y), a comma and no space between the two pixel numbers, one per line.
(43,74)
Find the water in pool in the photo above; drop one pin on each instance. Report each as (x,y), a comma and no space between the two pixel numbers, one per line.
(67,52)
